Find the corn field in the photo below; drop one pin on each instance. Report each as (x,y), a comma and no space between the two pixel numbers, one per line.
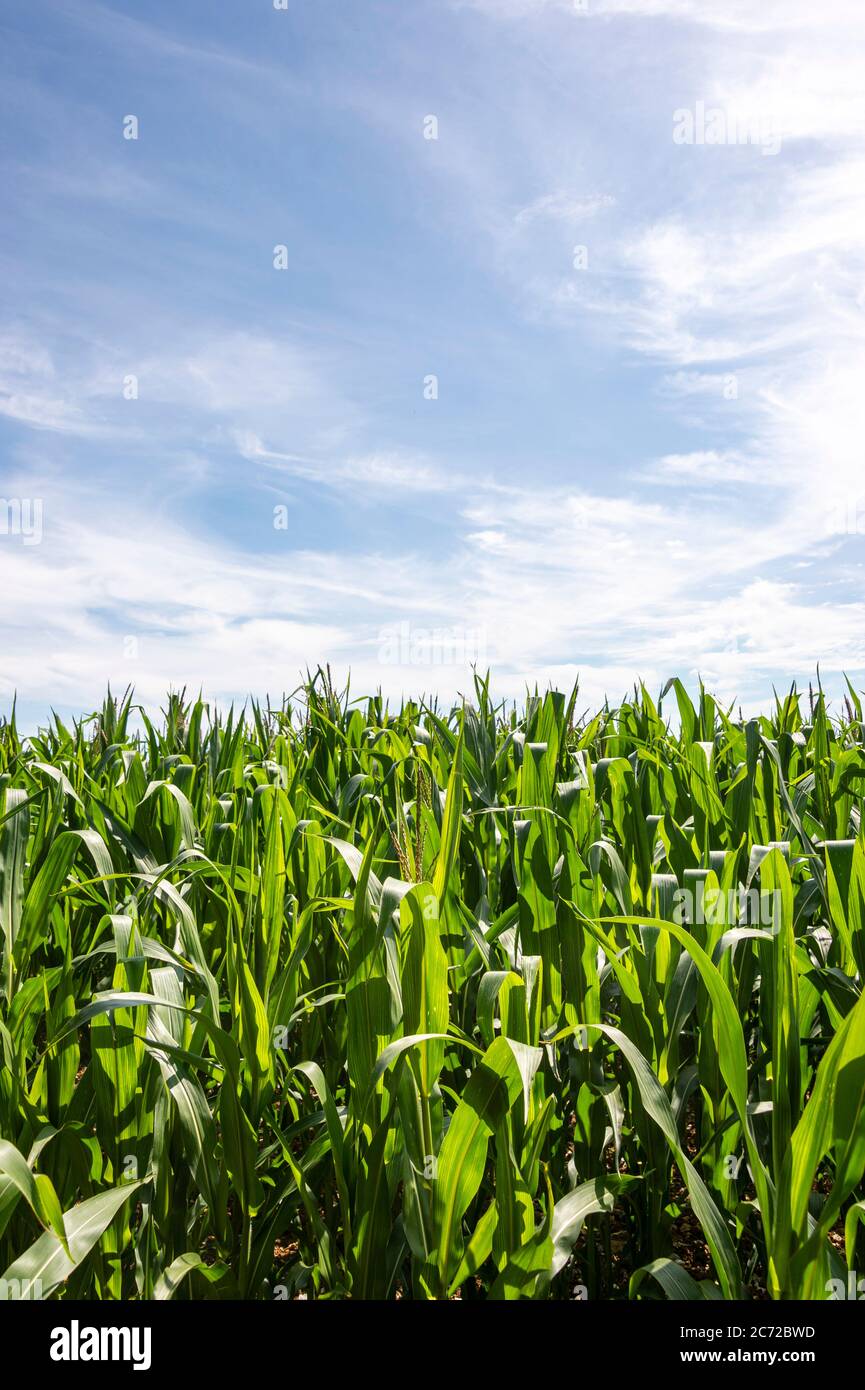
(337,1001)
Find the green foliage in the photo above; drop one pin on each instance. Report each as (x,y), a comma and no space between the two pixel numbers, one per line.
(342,1001)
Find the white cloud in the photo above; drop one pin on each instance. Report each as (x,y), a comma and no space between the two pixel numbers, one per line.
(738,16)
(202,382)
(746,16)
(31,392)
(708,466)
(389,470)
(562,206)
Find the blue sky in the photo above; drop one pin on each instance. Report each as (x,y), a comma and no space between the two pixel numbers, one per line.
(644,452)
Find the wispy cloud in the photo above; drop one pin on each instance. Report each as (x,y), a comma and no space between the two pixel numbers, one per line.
(390,470)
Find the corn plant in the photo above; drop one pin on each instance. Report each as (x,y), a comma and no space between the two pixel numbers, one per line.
(338,1000)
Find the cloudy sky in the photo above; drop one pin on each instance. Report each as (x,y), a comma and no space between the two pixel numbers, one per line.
(417,332)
